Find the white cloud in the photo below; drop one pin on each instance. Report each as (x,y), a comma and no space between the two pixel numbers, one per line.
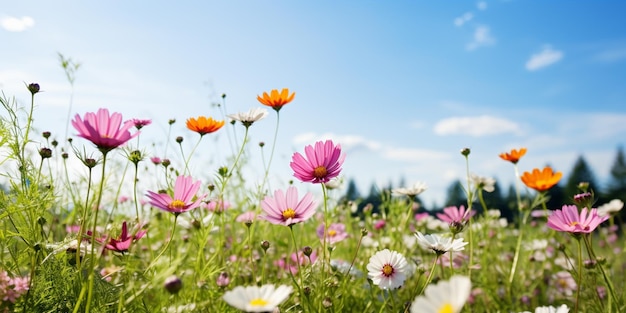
(546,57)
(414,155)
(478,126)
(14,24)
(481,5)
(466,17)
(347,141)
(482,37)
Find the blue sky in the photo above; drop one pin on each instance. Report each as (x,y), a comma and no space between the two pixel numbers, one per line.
(403,85)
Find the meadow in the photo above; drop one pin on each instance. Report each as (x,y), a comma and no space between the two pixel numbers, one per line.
(132,231)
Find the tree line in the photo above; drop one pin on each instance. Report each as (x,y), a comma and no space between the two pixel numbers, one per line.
(506,199)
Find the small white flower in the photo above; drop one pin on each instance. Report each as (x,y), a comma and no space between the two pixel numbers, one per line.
(439,244)
(257,299)
(550,309)
(334,183)
(446,296)
(247,118)
(614,206)
(413,191)
(487,184)
(387,269)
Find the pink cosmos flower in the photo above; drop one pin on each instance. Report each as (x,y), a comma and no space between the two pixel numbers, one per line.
(139,124)
(569,220)
(105,131)
(456,215)
(122,243)
(336,233)
(246,217)
(322,163)
(286,209)
(185,190)
(218,206)
(155,160)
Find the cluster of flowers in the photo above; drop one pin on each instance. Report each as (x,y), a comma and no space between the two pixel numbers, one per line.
(319,164)
(11,288)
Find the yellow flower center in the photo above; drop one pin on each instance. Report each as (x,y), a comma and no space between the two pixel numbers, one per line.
(176,204)
(573,223)
(289,213)
(387,270)
(332,233)
(258,302)
(446,308)
(320,172)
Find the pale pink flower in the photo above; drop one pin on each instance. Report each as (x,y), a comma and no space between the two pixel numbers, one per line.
(322,163)
(105,131)
(185,190)
(286,209)
(564,283)
(155,160)
(246,217)
(569,220)
(387,269)
(139,124)
(336,232)
(455,215)
(218,206)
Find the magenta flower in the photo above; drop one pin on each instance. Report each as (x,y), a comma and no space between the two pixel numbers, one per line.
(122,243)
(139,124)
(569,220)
(105,131)
(322,163)
(185,190)
(336,233)
(454,215)
(286,209)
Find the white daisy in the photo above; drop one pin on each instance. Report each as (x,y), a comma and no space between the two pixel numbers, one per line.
(445,296)
(413,191)
(247,118)
(487,184)
(439,244)
(550,309)
(613,206)
(387,269)
(257,299)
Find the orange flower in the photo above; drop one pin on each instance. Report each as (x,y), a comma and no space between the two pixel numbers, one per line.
(514,156)
(276,100)
(541,180)
(204,125)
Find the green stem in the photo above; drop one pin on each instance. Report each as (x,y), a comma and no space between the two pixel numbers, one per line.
(190,154)
(430,275)
(269,163)
(580,274)
(93,264)
(608,282)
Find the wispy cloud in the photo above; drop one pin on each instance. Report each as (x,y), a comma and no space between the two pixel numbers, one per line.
(482,37)
(466,17)
(546,57)
(477,126)
(481,5)
(347,142)
(15,24)
(611,55)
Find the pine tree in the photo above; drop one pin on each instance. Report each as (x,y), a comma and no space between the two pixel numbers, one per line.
(617,182)
(581,172)
(455,195)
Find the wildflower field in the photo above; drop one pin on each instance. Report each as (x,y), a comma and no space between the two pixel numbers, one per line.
(137,230)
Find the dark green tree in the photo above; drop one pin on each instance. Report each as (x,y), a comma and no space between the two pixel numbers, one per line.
(581,172)
(616,188)
(455,195)
(352,192)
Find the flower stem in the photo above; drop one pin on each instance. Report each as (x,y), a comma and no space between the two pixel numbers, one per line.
(269,163)
(580,274)
(430,275)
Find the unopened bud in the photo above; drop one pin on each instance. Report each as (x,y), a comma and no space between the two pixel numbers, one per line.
(173,284)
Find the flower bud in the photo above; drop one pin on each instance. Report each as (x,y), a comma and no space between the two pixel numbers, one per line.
(465,151)
(307,251)
(265,245)
(45,135)
(179,139)
(173,284)
(45,153)
(171,121)
(33,88)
